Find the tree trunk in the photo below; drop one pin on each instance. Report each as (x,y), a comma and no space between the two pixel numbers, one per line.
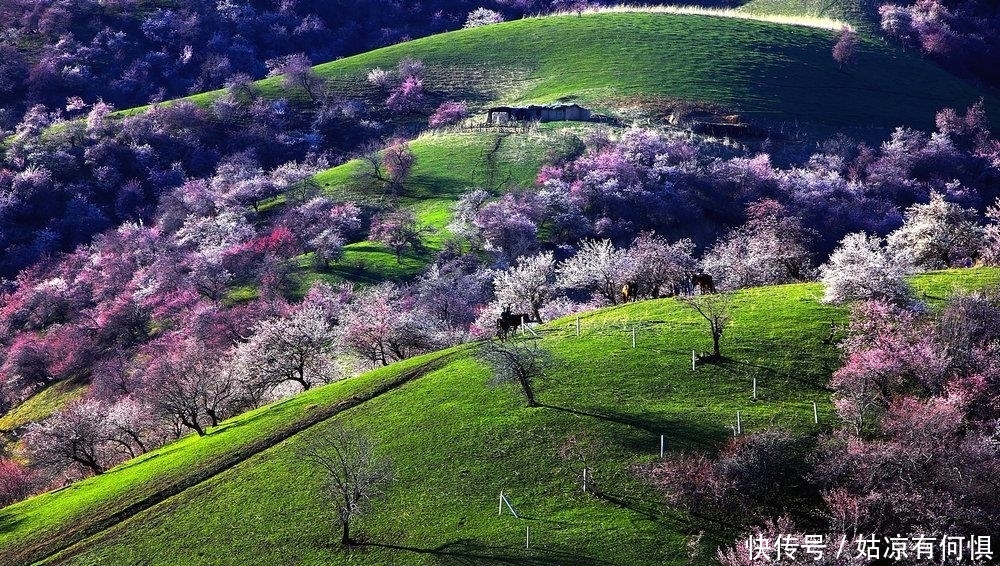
(90,463)
(345,538)
(715,344)
(193,424)
(528,393)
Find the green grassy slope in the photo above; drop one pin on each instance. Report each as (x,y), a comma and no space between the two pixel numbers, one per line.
(447,165)
(859,13)
(457,443)
(767,71)
(35,528)
(41,405)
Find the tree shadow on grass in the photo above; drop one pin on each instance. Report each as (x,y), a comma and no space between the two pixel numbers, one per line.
(477,553)
(9,522)
(678,433)
(745,368)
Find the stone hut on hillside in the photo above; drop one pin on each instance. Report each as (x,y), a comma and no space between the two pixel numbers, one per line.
(538,113)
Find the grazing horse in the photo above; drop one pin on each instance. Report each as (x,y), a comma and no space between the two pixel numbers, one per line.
(508,323)
(628,292)
(703,282)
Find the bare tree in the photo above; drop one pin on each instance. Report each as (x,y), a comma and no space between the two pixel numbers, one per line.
(716,310)
(516,362)
(355,474)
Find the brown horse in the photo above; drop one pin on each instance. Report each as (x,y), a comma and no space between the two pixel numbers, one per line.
(703,282)
(628,292)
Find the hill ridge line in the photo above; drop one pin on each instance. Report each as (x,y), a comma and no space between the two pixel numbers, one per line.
(816,22)
(54,546)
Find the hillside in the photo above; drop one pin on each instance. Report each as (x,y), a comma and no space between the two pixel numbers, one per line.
(860,13)
(457,443)
(446,165)
(768,72)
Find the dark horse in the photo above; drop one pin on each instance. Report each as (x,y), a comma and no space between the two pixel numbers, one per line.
(703,282)
(508,322)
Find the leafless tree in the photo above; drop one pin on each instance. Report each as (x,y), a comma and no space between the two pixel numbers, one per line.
(716,310)
(516,362)
(355,473)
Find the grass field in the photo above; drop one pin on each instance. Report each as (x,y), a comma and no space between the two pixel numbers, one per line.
(457,443)
(447,165)
(40,405)
(862,14)
(769,72)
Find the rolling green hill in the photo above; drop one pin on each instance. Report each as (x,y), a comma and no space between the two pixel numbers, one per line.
(859,13)
(447,165)
(766,71)
(241,495)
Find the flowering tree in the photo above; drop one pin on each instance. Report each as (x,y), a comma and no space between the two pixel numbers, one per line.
(937,234)
(296,71)
(451,291)
(861,268)
(187,383)
(448,113)
(464,213)
(660,267)
(298,348)
(386,170)
(914,452)
(528,285)
(990,249)
(381,326)
(482,17)
(749,471)
(133,427)
(16,482)
(770,249)
(508,226)
(598,267)
(408,96)
(846,47)
(396,230)
(76,435)
(328,246)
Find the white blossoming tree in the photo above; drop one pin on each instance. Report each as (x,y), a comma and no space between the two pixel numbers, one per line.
(598,267)
(861,268)
(528,285)
(937,234)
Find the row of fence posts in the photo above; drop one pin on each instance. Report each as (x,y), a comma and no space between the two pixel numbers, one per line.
(737,427)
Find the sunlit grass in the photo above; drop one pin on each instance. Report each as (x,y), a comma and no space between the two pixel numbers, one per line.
(457,443)
(784,19)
